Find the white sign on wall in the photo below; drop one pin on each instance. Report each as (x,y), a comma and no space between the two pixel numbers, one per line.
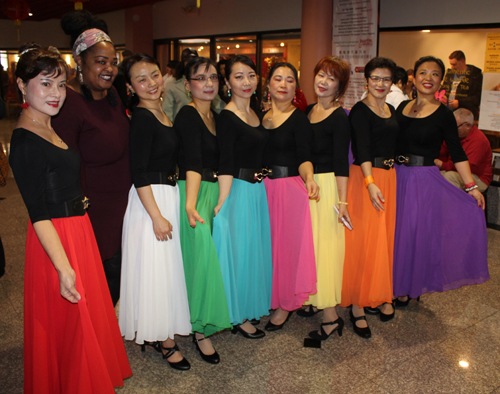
(355,39)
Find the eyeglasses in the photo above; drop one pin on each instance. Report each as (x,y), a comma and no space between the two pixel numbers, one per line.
(377,79)
(462,125)
(204,79)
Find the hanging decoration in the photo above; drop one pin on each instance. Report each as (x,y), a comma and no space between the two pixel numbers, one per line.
(78,4)
(17,10)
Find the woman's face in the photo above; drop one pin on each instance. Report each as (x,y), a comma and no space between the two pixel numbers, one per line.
(325,85)
(428,78)
(282,85)
(45,93)
(242,81)
(99,66)
(146,81)
(204,84)
(380,82)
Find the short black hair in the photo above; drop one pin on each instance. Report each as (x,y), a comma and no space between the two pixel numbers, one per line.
(400,75)
(425,59)
(195,63)
(380,62)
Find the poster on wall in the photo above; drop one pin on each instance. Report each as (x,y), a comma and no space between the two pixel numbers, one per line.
(355,39)
(489,115)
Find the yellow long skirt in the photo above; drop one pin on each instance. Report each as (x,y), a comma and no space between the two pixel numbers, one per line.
(329,244)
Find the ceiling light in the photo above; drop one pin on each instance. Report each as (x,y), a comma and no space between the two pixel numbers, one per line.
(218,46)
(282,44)
(237,45)
(426,31)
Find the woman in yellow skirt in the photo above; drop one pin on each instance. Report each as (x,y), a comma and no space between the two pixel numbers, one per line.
(332,134)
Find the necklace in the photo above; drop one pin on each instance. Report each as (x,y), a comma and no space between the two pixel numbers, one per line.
(45,127)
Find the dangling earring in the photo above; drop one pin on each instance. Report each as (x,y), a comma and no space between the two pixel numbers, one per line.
(228,92)
(269,97)
(294,99)
(255,92)
(25,104)
(80,75)
(189,95)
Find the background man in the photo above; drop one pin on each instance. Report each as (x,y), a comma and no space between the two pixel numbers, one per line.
(463,84)
(476,147)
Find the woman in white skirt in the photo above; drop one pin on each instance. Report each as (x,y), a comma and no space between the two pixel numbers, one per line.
(153,297)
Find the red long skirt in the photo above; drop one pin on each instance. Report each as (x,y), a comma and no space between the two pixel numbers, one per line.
(70,348)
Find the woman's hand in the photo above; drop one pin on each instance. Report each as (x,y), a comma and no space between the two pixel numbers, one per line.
(344,212)
(217,208)
(162,228)
(312,189)
(479,198)
(193,217)
(67,280)
(376,197)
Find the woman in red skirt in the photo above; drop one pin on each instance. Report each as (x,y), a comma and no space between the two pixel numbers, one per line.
(72,343)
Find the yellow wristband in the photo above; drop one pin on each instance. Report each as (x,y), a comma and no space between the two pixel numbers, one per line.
(343,203)
(368,180)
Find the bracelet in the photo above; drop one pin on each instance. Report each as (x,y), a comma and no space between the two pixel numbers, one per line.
(343,203)
(368,180)
(470,184)
(469,189)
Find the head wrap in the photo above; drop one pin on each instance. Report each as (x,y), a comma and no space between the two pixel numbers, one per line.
(88,39)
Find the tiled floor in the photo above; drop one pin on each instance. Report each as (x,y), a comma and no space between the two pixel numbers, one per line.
(417,352)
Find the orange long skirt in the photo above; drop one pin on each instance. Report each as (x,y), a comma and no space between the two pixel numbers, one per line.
(367,279)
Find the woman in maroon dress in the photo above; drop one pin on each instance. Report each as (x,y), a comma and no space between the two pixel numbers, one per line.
(71,343)
(95,124)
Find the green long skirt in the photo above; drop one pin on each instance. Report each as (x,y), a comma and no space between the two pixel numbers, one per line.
(205,288)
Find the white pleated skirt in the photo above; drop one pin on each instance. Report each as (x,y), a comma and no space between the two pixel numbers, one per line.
(153,297)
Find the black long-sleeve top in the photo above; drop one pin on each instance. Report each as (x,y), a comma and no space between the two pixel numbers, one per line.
(424,136)
(290,143)
(45,173)
(241,145)
(331,139)
(198,147)
(153,147)
(372,136)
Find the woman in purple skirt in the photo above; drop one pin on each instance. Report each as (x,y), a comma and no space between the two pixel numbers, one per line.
(441,242)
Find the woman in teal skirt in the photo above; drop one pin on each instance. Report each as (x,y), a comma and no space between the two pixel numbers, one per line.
(242,232)
(199,193)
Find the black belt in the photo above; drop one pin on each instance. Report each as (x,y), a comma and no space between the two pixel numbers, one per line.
(75,207)
(161,178)
(383,162)
(207,174)
(415,161)
(251,175)
(276,172)
(323,168)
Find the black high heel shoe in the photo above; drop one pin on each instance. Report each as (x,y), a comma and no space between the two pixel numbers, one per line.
(275,327)
(386,317)
(255,335)
(323,336)
(254,322)
(154,345)
(209,358)
(308,311)
(182,365)
(364,332)
(401,304)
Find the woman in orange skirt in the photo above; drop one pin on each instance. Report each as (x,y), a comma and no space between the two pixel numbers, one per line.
(367,281)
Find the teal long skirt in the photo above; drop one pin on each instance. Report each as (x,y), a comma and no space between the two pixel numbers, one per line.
(205,287)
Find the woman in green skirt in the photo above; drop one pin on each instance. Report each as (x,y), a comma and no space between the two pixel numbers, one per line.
(199,191)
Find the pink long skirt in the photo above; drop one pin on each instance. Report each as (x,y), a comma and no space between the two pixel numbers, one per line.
(294,266)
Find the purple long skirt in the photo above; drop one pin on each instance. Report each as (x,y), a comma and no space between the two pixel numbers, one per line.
(441,241)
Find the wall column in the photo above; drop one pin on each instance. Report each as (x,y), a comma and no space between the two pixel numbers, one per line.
(316,40)
(139,29)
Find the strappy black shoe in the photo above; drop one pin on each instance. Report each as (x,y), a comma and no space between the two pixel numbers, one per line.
(324,336)
(209,358)
(182,365)
(364,332)
(308,311)
(402,304)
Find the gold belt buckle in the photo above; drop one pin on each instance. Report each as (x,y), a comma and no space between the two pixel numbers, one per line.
(389,163)
(403,159)
(85,202)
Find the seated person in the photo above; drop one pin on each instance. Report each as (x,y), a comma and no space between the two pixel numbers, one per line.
(476,147)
